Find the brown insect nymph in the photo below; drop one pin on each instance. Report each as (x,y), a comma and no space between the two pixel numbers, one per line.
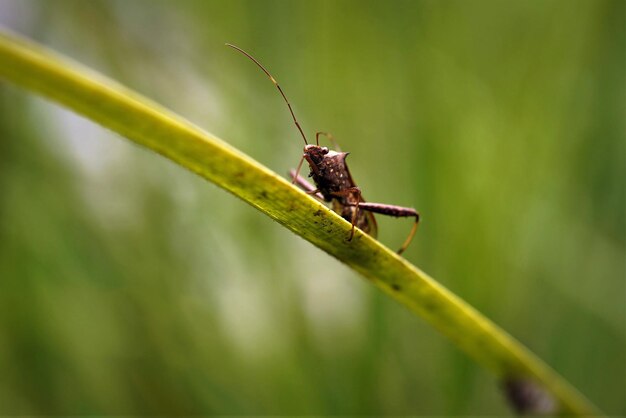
(334,183)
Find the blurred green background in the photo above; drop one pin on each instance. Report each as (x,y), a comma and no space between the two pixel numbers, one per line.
(130,286)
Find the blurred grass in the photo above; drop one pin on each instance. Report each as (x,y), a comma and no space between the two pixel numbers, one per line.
(501,122)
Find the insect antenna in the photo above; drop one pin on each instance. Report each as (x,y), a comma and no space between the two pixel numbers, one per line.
(277,86)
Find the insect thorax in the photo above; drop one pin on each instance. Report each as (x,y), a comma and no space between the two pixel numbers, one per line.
(332,175)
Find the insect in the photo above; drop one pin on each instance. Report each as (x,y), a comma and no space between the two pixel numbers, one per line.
(334,183)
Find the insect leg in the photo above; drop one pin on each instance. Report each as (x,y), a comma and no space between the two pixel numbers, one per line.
(311,163)
(346,192)
(330,138)
(396,211)
(305,185)
(297,172)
